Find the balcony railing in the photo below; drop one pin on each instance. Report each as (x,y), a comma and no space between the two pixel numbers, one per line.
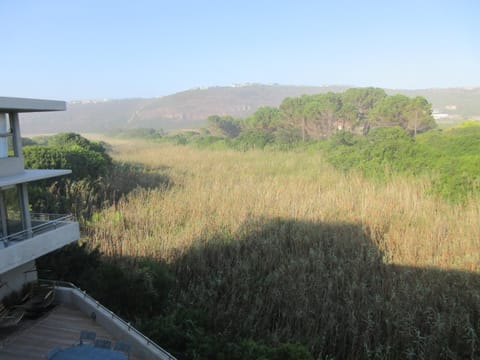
(41,223)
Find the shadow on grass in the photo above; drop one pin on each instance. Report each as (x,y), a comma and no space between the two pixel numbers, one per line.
(125,177)
(283,281)
(326,286)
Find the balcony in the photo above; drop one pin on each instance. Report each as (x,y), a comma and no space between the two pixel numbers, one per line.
(48,233)
(40,223)
(75,311)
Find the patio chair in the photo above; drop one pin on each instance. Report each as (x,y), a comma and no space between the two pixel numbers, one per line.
(37,300)
(123,347)
(9,317)
(103,343)
(88,337)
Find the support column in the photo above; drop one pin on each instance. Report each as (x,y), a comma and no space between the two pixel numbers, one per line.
(3,215)
(25,208)
(16,136)
(3,136)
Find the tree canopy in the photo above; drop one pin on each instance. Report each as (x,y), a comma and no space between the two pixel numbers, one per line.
(413,114)
(86,159)
(223,125)
(321,115)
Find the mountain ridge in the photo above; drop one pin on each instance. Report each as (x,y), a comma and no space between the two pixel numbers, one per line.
(190,108)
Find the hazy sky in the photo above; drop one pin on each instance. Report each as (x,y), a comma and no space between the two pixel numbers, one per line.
(81,49)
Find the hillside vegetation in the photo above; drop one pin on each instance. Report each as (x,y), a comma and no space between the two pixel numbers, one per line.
(361,129)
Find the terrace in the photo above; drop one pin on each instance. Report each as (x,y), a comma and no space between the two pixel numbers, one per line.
(60,327)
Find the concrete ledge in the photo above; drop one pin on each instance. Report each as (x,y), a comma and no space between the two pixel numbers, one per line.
(27,250)
(25,176)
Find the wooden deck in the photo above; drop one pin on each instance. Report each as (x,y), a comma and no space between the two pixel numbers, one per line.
(59,328)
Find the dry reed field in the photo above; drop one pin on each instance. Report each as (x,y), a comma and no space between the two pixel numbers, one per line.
(280,247)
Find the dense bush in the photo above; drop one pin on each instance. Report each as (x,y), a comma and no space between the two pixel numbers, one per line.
(448,158)
(212,142)
(96,180)
(76,263)
(137,133)
(133,288)
(184,333)
(252,140)
(84,163)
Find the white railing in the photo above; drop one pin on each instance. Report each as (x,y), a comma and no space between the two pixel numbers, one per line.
(47,222)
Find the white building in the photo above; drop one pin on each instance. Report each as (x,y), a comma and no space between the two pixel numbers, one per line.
(25,236)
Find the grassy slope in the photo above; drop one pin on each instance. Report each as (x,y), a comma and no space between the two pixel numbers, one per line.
(280,247)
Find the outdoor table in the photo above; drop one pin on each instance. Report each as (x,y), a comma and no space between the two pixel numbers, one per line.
(90,352)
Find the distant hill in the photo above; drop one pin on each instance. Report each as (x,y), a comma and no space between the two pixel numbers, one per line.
(191,108)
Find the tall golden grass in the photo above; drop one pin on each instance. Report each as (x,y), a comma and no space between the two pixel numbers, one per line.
(221,190)
(280,246)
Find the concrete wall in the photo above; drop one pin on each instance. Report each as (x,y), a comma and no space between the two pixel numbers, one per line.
(14,279)
(11,166)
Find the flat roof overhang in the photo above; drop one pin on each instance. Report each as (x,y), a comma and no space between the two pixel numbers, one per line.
(22,105)
(31,175)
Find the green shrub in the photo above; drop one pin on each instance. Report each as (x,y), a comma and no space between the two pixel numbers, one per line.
(252,140)
(134,289)
(184,334)
(75,263)
(96,180)
(448,158)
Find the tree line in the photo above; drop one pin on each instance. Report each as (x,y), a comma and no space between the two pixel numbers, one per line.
(319,116)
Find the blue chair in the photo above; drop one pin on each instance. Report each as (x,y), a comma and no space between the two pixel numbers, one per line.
(103,343)
(87,336)
(123,347)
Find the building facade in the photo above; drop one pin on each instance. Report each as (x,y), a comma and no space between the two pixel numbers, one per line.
(25,236)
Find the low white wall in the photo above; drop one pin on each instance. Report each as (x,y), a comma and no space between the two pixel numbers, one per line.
(14,279)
